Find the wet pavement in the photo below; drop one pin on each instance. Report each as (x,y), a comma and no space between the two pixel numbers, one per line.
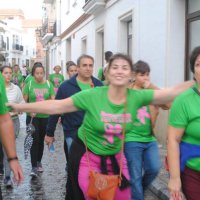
(50,185)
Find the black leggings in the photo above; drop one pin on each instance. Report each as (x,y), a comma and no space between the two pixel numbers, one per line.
(77,150)
(38,139)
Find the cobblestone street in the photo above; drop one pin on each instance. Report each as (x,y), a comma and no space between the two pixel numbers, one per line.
(50,185)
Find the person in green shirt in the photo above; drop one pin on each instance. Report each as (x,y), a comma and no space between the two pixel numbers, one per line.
(38,89)
(17,77)
(107,110)
(56,78)
(184,139)
(102,71)
(28,78)
(141,148)
(8,137)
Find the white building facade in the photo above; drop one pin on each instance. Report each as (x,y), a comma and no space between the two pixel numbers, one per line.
(160,32)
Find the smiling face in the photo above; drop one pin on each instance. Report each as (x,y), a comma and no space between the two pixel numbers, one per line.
(119,72)
(7,74)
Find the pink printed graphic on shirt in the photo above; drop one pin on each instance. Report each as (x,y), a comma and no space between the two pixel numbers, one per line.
(39,93)
(113,125)
(142,114)
(111,131)
(56,82)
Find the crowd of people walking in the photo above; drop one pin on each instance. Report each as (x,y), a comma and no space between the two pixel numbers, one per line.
(108,125)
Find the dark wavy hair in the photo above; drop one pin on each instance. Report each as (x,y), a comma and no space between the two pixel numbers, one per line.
(141,67)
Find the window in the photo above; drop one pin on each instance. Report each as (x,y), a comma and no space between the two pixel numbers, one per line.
(193,6)
(68,49)
(129,38)
(99,46)
(126,34)
(193,30)
(84,45)
(7,43)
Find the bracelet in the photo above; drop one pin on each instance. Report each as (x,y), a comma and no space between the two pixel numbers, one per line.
(14,158)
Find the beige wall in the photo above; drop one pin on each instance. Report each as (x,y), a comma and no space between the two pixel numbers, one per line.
(161,127)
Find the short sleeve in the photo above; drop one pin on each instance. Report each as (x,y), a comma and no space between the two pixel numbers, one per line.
(145,97)
(3,97)
(26,88)
(82,100)
(178,116)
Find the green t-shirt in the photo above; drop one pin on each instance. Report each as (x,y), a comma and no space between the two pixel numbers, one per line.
(17,79)
(56,79)
(83,86)
(100,74)
(103,120)
(185,113)
(38,92)
(142,130)
(28,78)
(3,97)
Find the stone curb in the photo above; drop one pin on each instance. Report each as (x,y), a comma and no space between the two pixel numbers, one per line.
(159,188)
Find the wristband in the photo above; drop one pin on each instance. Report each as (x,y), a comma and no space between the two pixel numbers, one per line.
(14,158)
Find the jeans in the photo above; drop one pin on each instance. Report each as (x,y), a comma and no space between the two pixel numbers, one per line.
(144,164)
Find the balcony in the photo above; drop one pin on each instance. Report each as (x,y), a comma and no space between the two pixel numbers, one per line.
(93,6)
(17,46)
(47,31)
(21,48)
(2,46)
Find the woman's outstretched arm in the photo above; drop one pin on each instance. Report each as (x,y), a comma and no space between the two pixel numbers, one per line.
(46,107)
(167,95)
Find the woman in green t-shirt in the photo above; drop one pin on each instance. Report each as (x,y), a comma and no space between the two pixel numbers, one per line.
(56,78)
(105,114)
(184,139)
(38,90)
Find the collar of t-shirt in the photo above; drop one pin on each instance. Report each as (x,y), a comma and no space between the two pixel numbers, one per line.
(84,86)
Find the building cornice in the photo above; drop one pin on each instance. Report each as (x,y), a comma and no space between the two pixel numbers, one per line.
(74,25)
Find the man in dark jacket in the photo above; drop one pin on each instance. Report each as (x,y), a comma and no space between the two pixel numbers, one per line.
(72,121)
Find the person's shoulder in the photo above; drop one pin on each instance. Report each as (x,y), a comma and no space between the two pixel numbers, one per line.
(96,81)
(15,87)
(185,95)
